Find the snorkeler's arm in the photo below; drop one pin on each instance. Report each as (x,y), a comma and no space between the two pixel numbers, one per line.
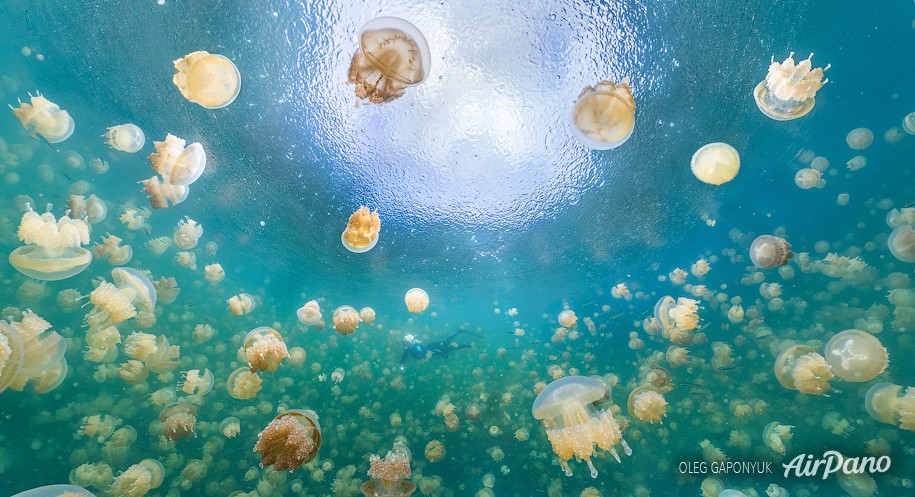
(403,357)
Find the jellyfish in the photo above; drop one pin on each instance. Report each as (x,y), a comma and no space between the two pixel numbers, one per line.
(214,273)
(393,54)
(230,427)
(125,137)
(162,193)
(859,138)
(187,234)
(857,162)
(92,209)
(715,163)
(434,451)
(56,491)
(44,118)
(647,404)
(901,243)
(603,117)
(139,479)
(243,384)
(346,319)
(290,440)
(177,164)
(52,249)
(31,352)
(111,249)
(241,304)
(808,178)
(856,356)
(788,91)
(800,368)
(835,424)
(309,314)
(209,80)
(361,233)
(264,349)
(567,318)
(769,251)
(390,475)
(856,484)
(574,421)
(178,420)
(367,315)
(99,427)
(908,123)
(776,435)
(892,404)
(417,300)
(197,383)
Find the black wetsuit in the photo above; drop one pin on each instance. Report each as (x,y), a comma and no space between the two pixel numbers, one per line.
(421,350)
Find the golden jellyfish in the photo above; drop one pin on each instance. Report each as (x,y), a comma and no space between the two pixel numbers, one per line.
(715,163)
(769,251)
(901,243)
(390,476)
(808,178)
(309,314)
(209,80)
(835,424)
(417,300)
(800,368)
(187,234)
(139,479)
(111,249)
(859,138)
(92,209)
(908,123)
(197,382)
(367,315)
(434,451)
(52,249)
(125,137)
(56,491)
(604,115)
(178,420)
(392,55)
(290,440)
(42,117)
(243,384)
(856,355)
(214,273)
(571,412)
(264,349)
(892,404)
(230,427)
(346,319)
(161,194)
(789,89)
(177,164)
(31,353)
(567,318)
(241,304)
(647,404)
(361,233)
(776,435)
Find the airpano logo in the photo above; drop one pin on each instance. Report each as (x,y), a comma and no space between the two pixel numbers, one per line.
(832,462)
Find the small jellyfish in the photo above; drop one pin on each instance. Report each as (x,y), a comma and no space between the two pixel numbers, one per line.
(44,118)
(800,368)
(715,163)
(647,404)
(367,315)
(788,91)
(243,384)
(390,476)
(857,162)
(603,117)
(346,319)
(178,165)
(769,251)
(241,304)
(574,421)
(808,178)
(567,318)
(393,54)
(139,479)
(310,313)
(196,382)
(776,435)
(162,193)
(901,243)
(859,138)
(125,137)
(835,424)
(892,404)
(264,349)
(417,300)
(209,80)
(856,356)
(230,427)
(52,249)
(178,420)
(290,440)
(434,451)
(361,233)
(908,123)
(214,273)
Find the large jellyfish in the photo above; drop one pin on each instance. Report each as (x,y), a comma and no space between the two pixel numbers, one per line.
(113,303)
(604,115)
(856,356)
(892,404)
(393,54)
(788,90)
(30,352)
(290,440)
(571,412)
(52,248)
(56,491)
(209,80)
(361,233)
(715,163)
(45,118)
(769,251)
(391,475)
(901,243)
(125,137)
(264,349)
(800,368)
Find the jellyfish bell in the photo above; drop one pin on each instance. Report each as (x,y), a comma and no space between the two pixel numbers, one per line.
(800,368)
(56,491)
(45,118)
(309,314)
(789,89)
(290,440)
(209,80)
(346,319)
(856,355)
(715,163)
(52,249)
(417,300)
(603,117)
(392,55)
(859,138)
(125,137)
(178,164)
(769,251)
(901,243)
(908,123)
(362,229)
(136,286)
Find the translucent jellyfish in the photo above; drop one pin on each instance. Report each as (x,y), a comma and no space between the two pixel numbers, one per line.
(434,451)
(857,162)
(44,118)
(241,304)
(604,115)
(417,300)
(178,420)
(290,440)
(769,251)
(346,319)
(196,382)
(647,404)
(230,427)
(808,178)
(908,123)
(243,384)
(161,194)
(214,272)
(31,352)
(92,209)
(166,290)
(571,412)
(56,491)
(139,479)
(788,91)
(892,404)
(187,234)
(859,138)
(111,249)
(835,424)
(393,54)
(715,163)
(390,476)
(361,233)
(310,313)
(901,243)
(567,318)
(856,356)
(177,164)
(367,315)
(856,484)
(209,80)
(800,368)
(99,427)
(264,349)
(52,249)
(125,137)
(776,435)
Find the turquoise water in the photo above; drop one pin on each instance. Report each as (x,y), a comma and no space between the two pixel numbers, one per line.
(488,203)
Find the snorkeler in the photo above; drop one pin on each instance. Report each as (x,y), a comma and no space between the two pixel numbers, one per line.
(413,347)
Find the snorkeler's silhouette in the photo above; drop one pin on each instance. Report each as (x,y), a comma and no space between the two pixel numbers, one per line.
(418,350)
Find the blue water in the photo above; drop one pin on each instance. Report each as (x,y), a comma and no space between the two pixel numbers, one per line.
(487,202)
